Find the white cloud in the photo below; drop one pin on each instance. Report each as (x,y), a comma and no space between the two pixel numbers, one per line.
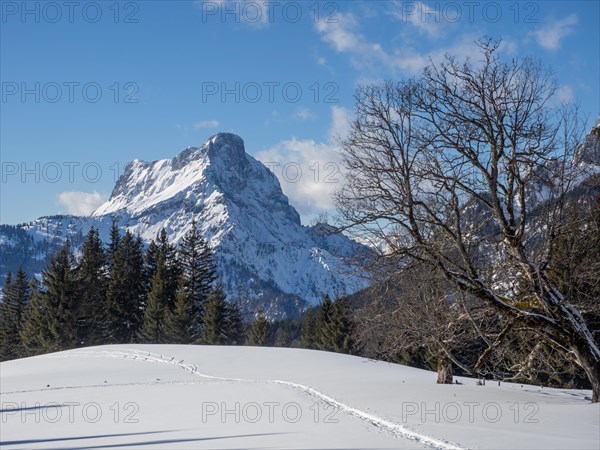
(340,125)
(309,171)
(508,46)
(321,61)
(551,35)
(564,94)
(81,203)
(372,57)
(412,62)
(340,34)
(344,38)
(304,114)
(432,21)
(206,124)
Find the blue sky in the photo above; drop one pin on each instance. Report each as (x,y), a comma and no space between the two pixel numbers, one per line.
(89,86)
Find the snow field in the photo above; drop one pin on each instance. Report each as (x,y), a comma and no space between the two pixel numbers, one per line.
(165,396)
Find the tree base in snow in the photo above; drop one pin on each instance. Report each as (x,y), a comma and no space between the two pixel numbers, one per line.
(444,370)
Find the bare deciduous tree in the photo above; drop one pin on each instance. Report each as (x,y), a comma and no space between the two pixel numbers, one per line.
(466,169)
(416,311)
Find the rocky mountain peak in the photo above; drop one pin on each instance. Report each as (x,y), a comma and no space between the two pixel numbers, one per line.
(225,146)
(589,151)
(243,214)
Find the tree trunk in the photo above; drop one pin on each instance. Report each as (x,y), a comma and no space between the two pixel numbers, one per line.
(581,341)
(444,368)
(568,326)
(592,371)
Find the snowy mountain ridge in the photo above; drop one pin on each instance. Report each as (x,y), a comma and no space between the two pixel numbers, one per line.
(258,239)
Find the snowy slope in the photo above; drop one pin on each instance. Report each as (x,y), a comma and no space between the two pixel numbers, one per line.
(143,396)
(243,214)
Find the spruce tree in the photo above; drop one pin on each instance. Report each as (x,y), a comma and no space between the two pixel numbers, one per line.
(7,284)
(18,300)
(259,331)
(341,326)
(162,247)
(309,330)
(197,266)
(125,298)
(324,338)
(150,263)
(214,318)
(113,244)
(172,267)
(282,335)
(235,324)
(93,280)
(34,333)
(5,320)
(181,321)
(59,295)
(14,299)
(117,325)
(154,326)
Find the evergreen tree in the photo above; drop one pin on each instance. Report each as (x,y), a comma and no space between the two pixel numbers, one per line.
(172,267)
(197,266)
(93,280)
(154,326)
(113,245)
(324,338)
(241,298)
(181,321)
(5,320)
(309,330)
(125,300)
(282,335)
(333,328)
(14,301)
(150,263)
(34,333)
(259,331)
(163,248)
(341,327)
(7,284)
(59,296)
(17,301)
(214,318)
(235,324)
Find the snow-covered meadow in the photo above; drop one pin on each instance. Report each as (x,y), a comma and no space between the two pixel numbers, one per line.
(172,396)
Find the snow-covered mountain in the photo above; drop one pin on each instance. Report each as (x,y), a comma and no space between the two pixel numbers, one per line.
(239,206)
(587,156)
